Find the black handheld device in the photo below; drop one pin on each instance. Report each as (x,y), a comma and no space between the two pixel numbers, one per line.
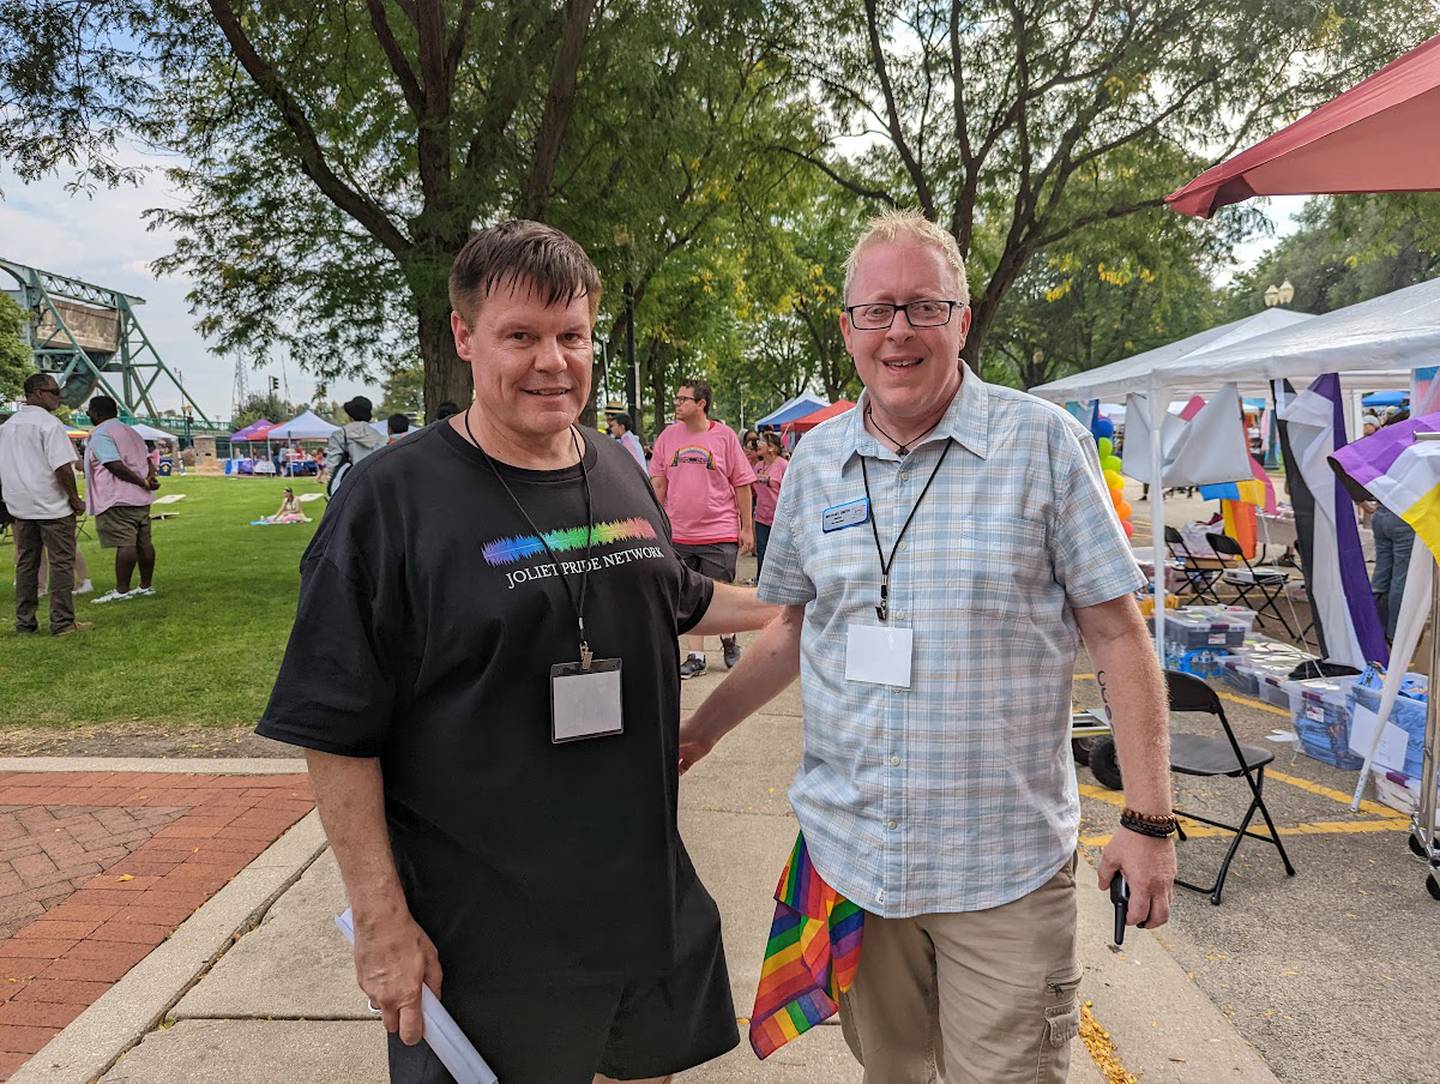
(1120,897)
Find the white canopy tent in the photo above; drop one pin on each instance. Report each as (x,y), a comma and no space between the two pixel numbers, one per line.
(149,432)
(305,426)
(1383,338)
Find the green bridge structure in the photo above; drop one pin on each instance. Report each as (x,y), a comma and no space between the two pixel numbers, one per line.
(91,339)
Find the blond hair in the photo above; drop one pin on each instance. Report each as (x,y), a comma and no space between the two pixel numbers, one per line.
(903,224)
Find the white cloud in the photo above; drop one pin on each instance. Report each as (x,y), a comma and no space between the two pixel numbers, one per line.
(102,238)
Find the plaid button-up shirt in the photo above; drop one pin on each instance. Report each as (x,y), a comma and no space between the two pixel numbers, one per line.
(957,793)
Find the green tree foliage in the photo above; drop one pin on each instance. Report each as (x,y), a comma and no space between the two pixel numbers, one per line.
(403,391)
(1348,249)
(15,360)
(1021,124)
(263,405)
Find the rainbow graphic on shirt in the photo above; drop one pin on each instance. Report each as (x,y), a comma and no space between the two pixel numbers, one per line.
(507,551)
(695,455)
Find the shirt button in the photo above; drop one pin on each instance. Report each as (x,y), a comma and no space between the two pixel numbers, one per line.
(892,825)
(894,763)
(880,896)
(901,546)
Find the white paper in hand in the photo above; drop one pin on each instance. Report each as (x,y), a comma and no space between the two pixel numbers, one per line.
(442,1033)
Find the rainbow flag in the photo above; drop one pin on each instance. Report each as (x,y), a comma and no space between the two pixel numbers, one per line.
(810,959)
(1400,472)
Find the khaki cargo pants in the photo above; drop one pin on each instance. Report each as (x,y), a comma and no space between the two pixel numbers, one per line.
(982,997)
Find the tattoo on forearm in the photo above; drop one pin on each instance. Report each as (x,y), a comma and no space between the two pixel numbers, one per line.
(1104,695)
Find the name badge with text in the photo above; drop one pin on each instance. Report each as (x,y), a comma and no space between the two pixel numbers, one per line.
(851,514)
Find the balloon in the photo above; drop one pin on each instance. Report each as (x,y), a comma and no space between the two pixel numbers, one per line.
(1105,446)
(1129,530)
(1103,427)
(1112,462)
(1123,510)
(1113,479)
(1116,495)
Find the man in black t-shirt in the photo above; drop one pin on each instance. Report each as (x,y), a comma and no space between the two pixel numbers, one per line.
(490,716)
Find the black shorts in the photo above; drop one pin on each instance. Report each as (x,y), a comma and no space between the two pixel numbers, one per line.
(564,1030)
(716,559)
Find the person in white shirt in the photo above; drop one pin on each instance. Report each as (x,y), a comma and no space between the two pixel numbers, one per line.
(37,482)
(622,428)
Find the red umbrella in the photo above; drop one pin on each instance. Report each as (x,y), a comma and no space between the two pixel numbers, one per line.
(810,421)
(1380,136)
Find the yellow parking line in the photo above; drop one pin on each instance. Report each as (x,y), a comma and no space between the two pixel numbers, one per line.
(1330,792)
(1312,828)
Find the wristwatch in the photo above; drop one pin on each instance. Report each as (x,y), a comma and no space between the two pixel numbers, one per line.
(1157,825)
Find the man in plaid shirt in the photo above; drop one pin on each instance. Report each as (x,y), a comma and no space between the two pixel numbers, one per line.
(937,550)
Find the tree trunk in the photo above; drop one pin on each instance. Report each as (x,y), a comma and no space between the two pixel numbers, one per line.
(446,376)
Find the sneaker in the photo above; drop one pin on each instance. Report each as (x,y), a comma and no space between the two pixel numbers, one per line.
(732,652)
(692,667)
(85,588)
(79,626)
(110,596)
(140,592)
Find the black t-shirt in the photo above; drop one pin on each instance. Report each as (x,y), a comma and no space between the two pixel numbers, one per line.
(428,620)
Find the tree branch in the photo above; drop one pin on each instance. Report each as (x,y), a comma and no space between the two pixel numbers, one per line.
(399,62)
(312,156)
(897,129)
(847,183)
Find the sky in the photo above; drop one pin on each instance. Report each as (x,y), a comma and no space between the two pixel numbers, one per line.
(102,238)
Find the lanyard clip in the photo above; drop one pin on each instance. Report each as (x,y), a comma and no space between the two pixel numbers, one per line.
(883,610)
(586,655)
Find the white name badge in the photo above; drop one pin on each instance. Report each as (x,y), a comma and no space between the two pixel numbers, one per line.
(879,654)
(851,514)
(585,703)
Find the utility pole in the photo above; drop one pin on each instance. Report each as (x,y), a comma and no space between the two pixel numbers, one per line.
(631,376)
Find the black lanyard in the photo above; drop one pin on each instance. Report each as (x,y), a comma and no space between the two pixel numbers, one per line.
(883,610)
(578,605)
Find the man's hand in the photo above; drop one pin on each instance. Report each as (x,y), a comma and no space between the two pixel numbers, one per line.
(694,743)
(393,957)
(1149,867)
(747,541)
(77,505)
(152,483)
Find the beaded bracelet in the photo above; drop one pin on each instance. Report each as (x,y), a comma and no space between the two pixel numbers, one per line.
(1156,825)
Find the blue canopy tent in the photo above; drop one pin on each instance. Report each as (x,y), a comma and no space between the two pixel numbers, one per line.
(793,409)
(1385,399)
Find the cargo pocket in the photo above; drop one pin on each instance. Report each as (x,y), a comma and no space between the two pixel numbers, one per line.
(1062,1024)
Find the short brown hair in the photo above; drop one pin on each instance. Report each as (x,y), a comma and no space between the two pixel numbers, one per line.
(702,390)
(522,251)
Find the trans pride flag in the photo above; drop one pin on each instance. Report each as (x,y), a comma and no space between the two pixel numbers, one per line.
(810,959)
(1400,472)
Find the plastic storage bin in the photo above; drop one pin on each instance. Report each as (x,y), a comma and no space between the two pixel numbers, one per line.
(1408,713)
(1321,713)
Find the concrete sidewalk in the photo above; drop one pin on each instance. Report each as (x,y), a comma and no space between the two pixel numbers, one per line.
(259,986)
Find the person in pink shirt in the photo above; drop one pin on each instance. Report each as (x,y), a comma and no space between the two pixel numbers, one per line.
(704,482)
(120,484)
(767,492)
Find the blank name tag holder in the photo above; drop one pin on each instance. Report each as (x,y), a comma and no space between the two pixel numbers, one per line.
(585,702)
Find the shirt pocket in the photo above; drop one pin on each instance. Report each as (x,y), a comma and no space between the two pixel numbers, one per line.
(999,567)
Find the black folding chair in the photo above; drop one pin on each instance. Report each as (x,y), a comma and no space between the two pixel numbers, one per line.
(1268,581)
(1199,581)
(1201,755)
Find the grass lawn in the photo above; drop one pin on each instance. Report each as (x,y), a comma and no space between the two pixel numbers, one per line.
(203,651)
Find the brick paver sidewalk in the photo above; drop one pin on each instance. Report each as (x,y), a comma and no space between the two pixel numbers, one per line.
(97,868)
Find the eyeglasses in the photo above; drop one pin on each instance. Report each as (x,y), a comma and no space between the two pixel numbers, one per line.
(53,389)
(686,399)
(878,315)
